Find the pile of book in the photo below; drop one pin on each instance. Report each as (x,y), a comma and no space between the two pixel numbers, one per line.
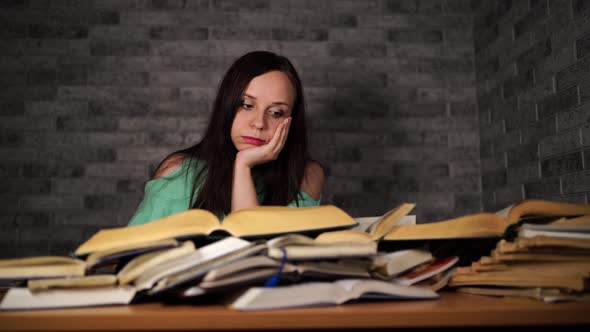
(549,262)
(151,263)
(280,257)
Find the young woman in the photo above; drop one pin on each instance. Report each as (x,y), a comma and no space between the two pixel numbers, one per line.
(254,151)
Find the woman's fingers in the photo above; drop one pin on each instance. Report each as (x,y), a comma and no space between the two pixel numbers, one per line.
(276,136)
(284,132)
(271,150)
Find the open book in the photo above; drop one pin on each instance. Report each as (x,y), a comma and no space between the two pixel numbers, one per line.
(262,221)
(483,225)
(326,293)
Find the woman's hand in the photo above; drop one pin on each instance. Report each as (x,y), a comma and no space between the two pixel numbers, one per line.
(268,152)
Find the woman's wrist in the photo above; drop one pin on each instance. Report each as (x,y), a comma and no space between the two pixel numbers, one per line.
(241,165)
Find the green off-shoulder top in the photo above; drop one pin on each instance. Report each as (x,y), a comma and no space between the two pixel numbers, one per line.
(171,194)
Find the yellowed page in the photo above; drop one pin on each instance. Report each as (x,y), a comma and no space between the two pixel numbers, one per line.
(558,268)
(348,235)
(539,207)
(508,278)
(545,241)
(42,270)
(98,255)
(389,220)
(471,226)
(190,222)
(583,220)
(265,220)
(40,260)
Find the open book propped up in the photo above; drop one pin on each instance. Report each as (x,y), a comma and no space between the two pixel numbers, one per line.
(481,225)
(262,221)
(375,232)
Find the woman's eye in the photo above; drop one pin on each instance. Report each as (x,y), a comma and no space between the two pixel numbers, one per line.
(277,113)
(247,106)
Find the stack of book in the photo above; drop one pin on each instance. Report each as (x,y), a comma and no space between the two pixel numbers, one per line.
(281,257)
(549,262)
(152,262)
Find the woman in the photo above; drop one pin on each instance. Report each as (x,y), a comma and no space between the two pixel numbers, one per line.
(254,151)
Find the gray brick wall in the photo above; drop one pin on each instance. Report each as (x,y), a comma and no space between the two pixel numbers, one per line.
(532,77)
(93,94)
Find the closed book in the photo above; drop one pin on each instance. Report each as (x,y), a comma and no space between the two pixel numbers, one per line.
(24,298)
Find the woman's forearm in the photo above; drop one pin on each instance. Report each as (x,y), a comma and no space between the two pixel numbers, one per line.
(243,194)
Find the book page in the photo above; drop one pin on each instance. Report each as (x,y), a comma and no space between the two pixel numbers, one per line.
(538,207)
(131,249)
(360,288)
(299,295)
(190,222)
(244,278)
(141,264)
(40,261)
(389,221)
(266,220)
(197,271)
(470,226)
(504,212)
(23,298)
(200,256)
(254,262)
(365,222)
(42,266)
(581,228)
(582,220)
(530,233)
(80,282)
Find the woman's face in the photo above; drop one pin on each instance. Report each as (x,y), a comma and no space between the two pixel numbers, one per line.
(267,101)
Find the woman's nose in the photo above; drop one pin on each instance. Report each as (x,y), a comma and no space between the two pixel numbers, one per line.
(258,120)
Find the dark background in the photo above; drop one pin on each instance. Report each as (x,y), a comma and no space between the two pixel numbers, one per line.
(458,106)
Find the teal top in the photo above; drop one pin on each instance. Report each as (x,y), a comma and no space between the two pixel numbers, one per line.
(171,194)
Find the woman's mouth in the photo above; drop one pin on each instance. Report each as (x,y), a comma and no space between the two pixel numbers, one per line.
(253,140)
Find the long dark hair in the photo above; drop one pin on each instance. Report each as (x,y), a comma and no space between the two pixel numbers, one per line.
(281,179)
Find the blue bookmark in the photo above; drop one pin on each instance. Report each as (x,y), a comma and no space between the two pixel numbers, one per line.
(274,280)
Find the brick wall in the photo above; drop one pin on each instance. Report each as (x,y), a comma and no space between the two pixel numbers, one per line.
(93,94)
(533,85)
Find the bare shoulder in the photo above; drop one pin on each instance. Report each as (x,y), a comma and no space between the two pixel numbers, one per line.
(169,165)
(313,179)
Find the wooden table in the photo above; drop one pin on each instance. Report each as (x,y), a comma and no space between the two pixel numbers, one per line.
(451,310)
